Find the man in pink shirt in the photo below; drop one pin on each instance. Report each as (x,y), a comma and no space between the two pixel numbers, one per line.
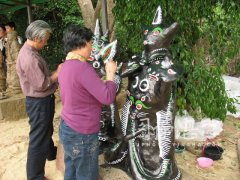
(82,93)
(38,84)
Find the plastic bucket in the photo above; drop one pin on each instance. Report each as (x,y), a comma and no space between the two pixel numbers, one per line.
(204,162)
(179,149)
(213,151)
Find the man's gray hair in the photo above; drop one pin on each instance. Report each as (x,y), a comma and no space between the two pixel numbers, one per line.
(38,28)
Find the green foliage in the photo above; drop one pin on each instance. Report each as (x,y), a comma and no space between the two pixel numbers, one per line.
(18,16)
(58,13)
(207,40)
(225,39)
(129,24)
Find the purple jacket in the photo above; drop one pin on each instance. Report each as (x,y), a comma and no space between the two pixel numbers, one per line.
(83,93)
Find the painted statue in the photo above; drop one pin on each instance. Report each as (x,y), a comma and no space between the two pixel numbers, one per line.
(102,52)
(145,147)
(99,42)
(12,50)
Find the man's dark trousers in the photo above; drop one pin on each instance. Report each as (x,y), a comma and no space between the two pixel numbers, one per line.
(41,113)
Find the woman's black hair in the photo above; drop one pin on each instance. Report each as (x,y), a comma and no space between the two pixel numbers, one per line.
(11,24)
(3,27)
(76,37)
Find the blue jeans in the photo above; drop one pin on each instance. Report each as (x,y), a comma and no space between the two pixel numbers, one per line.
(80,154)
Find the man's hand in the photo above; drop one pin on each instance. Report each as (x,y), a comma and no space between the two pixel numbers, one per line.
(54,75)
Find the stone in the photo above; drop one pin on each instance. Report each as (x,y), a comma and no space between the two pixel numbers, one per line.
(13,108)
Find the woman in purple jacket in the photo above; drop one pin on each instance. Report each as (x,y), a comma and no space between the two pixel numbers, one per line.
(82,94)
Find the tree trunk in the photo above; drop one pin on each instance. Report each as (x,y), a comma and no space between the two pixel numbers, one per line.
(97,10)
(110,6)
(90,15)
(87,13)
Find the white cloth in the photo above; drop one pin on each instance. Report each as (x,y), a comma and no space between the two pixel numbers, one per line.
(20,40)
(2,43)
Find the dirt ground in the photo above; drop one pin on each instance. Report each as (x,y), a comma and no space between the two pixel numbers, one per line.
(227,168)
(14,143)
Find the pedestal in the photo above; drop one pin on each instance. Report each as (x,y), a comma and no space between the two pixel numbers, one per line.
(13,108)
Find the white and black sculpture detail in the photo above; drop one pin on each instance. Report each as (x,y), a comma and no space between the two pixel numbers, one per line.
(102,52)
(145,146)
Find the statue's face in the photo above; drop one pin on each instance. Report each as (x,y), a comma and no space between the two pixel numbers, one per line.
(98,44)
(153,35)
(158,37)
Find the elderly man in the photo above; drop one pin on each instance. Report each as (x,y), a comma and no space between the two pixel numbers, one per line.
(38,84)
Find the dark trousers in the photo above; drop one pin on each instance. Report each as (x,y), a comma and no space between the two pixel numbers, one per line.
(40,112)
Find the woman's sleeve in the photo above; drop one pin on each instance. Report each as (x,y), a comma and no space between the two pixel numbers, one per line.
(104,92)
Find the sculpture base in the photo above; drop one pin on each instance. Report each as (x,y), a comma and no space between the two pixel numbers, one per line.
(13,108)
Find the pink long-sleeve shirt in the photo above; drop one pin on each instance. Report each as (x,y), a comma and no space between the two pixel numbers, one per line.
(83,93)
(33,73)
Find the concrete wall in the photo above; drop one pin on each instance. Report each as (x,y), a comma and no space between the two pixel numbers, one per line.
(13,108)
